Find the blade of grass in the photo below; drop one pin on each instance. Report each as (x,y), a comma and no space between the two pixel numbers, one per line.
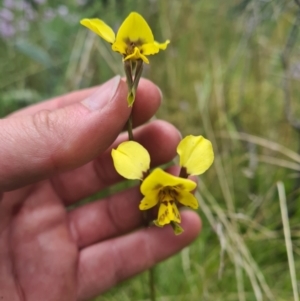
(262,142)
(287,237)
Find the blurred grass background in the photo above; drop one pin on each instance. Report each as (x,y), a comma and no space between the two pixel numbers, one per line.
(231,73)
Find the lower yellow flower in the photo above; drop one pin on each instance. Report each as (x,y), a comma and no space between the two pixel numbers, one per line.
(160,188)
(167,191)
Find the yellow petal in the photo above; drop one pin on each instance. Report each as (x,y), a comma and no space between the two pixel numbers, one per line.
(159,178)
(155,222)
(135,29)
(162,46)
(164,214)
(119,46)
(167,212)
(100,28)
(131,160)
(149,201)
(196,154)
(136,55)
(176,214)
(187,199)
(150,48)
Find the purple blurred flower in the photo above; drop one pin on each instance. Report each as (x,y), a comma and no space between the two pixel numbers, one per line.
(8,3)
(7,30)
(6,14)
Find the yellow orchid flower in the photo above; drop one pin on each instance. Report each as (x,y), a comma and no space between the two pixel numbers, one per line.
(196,154)
(134,39)
(160,188)
(167,191)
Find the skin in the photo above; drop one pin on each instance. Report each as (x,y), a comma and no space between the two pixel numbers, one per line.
(54,154)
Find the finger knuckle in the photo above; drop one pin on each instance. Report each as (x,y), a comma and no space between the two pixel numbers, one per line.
(44,122)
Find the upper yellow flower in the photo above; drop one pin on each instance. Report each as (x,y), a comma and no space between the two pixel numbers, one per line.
(134,38)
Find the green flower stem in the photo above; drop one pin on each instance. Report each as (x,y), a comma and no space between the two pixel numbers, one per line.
(137,75)
(132,84)
(128,72)
(129,128)
(128,68)
(131,67)
(151,273)
(176,228)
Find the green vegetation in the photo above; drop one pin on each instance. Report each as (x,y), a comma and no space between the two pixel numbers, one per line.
(223,77)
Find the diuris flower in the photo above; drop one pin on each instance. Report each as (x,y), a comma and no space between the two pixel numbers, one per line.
(167,191)
(160,188)
(134,39)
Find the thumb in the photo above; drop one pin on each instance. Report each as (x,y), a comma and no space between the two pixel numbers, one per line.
(34,147)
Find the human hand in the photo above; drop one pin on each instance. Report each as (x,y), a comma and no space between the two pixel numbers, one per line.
(53,155)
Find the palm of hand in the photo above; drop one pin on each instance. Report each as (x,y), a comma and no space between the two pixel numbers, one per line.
(39,253)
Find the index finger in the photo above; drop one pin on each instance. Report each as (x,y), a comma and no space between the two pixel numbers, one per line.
(148,98)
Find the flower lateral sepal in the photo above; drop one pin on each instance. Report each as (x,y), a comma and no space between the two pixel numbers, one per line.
(177,228)
(133,72)
(130,98)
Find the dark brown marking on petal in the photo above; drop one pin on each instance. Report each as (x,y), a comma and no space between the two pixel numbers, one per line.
(168,194)
(132,44)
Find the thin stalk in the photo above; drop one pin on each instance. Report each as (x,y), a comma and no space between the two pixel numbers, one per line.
(128,73)
(137,75)
(131,67)
(152,283)
(128,66)
(132,84)
(129,127)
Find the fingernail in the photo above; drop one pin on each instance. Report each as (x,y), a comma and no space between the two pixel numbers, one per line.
(103,95)
(160,92)
(180,135)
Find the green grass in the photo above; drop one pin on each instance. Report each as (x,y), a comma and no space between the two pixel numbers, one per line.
(222,78)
